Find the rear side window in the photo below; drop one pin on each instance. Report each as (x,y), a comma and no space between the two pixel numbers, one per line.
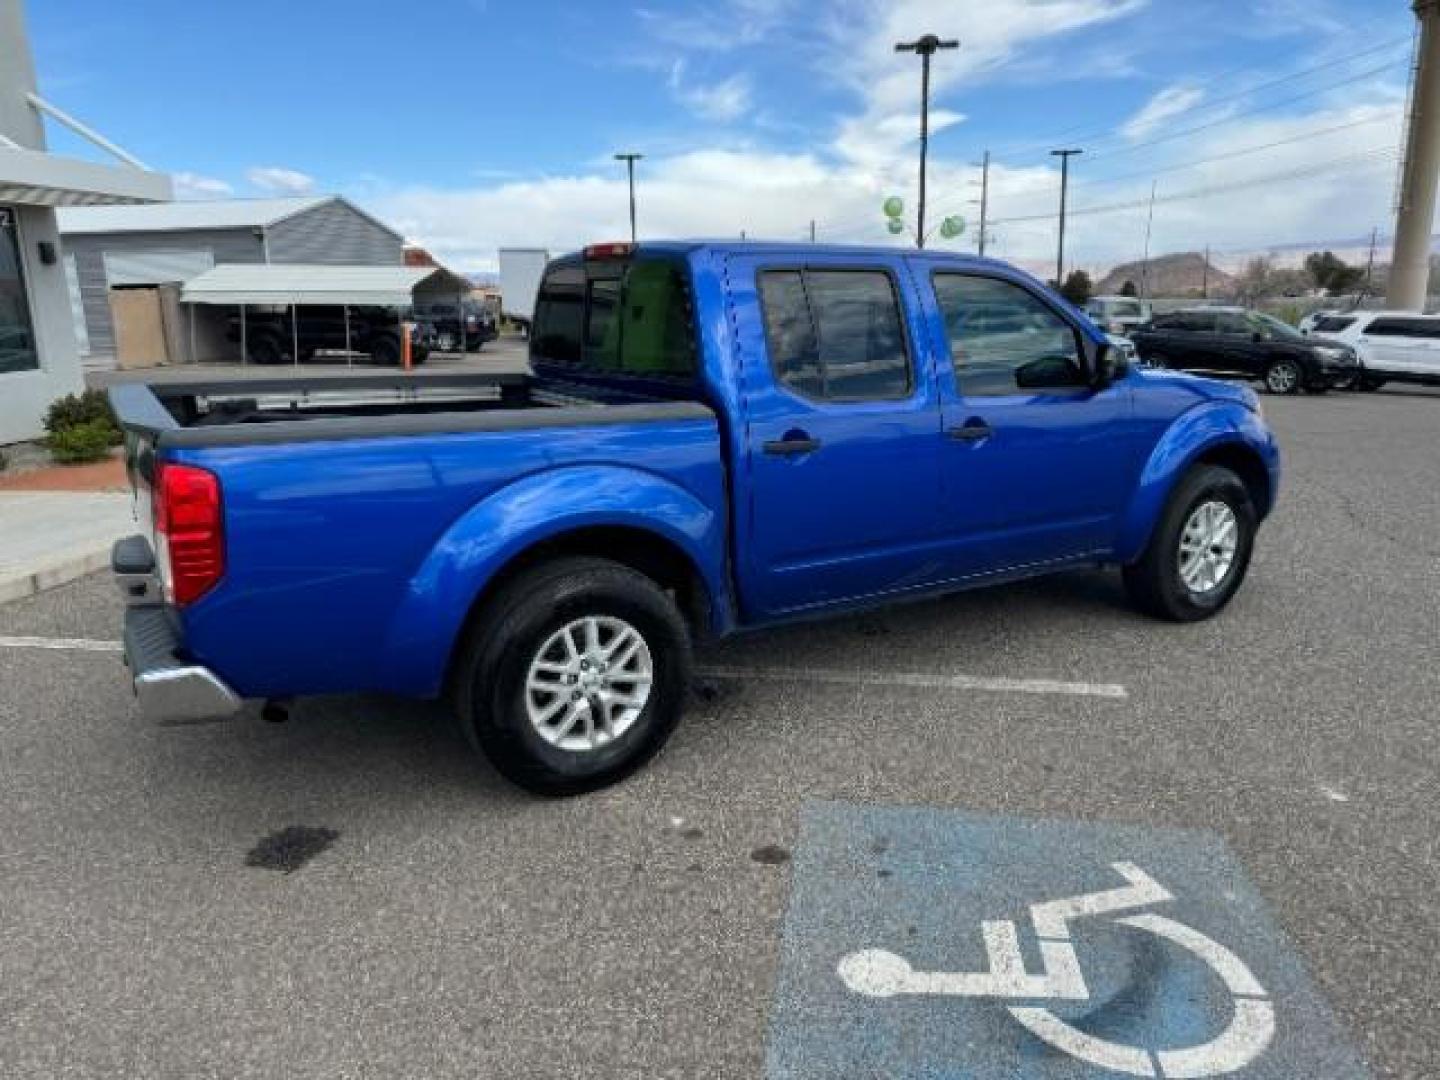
(1406,328)
(836,334)
(615,317)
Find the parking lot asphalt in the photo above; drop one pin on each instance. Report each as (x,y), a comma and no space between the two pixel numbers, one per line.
(454,926)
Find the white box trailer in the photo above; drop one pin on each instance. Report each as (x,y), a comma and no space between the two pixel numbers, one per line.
(520,273)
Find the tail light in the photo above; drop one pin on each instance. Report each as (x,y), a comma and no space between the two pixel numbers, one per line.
(189,538)
(609,251)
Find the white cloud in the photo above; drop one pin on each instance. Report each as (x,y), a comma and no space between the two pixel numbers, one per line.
(280,181)
(189,185)
(716,27)
(1168,103)
(723,102)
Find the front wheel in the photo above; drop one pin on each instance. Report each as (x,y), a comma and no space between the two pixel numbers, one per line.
(574,676)
(1283,377)
(1200,550)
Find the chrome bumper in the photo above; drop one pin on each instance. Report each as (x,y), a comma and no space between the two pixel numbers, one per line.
(167,686)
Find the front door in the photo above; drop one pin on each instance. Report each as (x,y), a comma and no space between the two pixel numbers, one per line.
(1036,466)
(841,433)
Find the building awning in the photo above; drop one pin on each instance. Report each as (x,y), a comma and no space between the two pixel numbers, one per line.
(37,178)
(271,283)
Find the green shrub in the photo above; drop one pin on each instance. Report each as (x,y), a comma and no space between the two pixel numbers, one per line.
(78,410)
(81,443)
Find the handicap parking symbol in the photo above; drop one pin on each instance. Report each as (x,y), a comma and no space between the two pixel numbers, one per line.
(933,944)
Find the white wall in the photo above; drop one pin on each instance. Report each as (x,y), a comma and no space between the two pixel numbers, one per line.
(24,395)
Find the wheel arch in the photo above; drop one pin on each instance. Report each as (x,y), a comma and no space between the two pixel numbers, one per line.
(624,515)
(1220,433)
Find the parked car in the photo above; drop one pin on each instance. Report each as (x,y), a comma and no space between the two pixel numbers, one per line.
(270,339)
(1394,346)
(716,437)
(450,319)
(1118,314)
(1242,344)
(1308,324)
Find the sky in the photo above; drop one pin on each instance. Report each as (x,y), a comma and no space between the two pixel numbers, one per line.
(470,125)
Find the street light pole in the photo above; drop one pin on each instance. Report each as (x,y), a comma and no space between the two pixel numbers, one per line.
(926,47)
(630,160)
(1064,156)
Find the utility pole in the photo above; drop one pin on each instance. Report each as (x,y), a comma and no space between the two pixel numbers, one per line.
(1205,276)
(926,47)
(1369,269)
(812,230)
(1410,266)
(630,160)
(984,201)
(1065,156)
(1145,263)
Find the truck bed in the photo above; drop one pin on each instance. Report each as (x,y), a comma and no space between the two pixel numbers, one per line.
(307,408)
(361,512)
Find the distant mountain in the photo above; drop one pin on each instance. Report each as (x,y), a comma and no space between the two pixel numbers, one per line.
(1179,275)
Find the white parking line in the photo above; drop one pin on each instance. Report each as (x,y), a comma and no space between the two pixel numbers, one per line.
(61,643)
(919,682)
(819,675)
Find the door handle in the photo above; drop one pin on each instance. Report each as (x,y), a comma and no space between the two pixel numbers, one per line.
(972,431)
(791,445)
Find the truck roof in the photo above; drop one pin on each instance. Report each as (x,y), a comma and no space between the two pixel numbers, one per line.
(797,247)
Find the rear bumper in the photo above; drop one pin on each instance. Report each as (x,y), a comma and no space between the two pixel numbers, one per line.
(167,686)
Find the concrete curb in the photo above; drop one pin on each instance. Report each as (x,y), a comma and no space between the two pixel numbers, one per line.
(20,586)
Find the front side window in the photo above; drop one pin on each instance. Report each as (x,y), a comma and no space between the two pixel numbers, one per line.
(1233,324)
(836,334)
(17,335)
(1004,339)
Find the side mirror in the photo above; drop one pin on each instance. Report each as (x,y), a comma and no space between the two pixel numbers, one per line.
(1109,364)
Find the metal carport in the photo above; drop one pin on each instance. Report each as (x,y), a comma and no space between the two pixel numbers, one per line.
(298,285)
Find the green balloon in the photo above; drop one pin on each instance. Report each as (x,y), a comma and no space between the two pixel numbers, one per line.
(952,227)
(893,207)
(895,226)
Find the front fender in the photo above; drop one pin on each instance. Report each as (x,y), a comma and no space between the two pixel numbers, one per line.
(517,517)
(1195,433)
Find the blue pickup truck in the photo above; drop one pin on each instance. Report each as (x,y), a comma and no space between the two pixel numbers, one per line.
(713,437)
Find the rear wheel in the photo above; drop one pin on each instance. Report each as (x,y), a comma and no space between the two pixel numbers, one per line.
(574,676)
(265,349)
(1283,377)
(1370,383)
(1200,550)
(385,350)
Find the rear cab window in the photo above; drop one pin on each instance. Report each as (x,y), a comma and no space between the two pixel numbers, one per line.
(617,318)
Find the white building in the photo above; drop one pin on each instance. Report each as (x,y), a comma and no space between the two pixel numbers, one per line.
(39,359)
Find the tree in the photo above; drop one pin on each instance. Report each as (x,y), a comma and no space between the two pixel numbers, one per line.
(1331,274)
(1256,281)
(1078,288)
(1129,289)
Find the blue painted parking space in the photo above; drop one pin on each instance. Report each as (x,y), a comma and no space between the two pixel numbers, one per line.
(924,944)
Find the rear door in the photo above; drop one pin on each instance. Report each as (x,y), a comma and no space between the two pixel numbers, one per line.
(841,431)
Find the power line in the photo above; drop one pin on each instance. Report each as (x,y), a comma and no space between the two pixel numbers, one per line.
(1381,154)
(1111,130)
(1146,173)
(1232,117)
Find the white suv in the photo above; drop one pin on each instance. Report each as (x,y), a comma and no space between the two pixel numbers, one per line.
(1394,346)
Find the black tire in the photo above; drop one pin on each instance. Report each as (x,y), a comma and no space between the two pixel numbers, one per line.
(385,350)
(1154,581)
(1370,384)
(265,349)
(1283,377)
(493,667)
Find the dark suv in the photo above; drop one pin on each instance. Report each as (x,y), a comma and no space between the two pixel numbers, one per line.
(447,317)
(270,337)
(1244,344)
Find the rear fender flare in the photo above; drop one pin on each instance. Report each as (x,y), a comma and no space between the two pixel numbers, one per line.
(530,511)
